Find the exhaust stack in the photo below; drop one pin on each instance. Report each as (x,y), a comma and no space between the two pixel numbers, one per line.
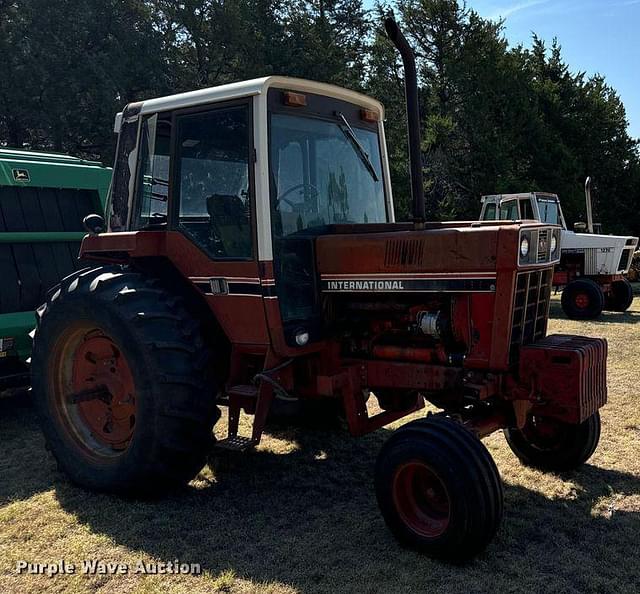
(587,195)
(413,117)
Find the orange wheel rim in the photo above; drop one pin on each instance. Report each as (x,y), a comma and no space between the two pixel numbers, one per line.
(94,391)
(101,370)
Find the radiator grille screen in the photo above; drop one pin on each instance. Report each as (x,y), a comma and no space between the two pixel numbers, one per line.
(530,309)
(624,260)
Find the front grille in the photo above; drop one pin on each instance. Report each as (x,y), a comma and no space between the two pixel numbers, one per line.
(530,309)
(624,260)
(590,261)
(543,245)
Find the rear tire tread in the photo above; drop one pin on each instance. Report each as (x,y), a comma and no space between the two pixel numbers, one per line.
(185,411)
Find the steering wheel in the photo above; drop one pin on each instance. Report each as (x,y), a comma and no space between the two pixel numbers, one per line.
(294,205)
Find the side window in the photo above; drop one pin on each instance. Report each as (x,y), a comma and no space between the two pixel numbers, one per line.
(509,211)
(212,181)
(526,209)
(152,188)
(489,212)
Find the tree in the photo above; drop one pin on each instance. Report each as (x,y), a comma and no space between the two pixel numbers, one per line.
(64,78)
(494,118)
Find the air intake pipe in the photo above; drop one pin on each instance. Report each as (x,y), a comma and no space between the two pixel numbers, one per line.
(413,117)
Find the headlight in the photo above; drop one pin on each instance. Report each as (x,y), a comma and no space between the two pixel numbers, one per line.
(554,243)
(524,247)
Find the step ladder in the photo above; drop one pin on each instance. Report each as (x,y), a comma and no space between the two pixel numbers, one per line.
(253,400)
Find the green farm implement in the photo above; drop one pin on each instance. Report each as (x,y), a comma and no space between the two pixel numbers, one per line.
(43,199)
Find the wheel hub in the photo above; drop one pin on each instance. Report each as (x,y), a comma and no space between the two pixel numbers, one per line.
(581,300)
(104,390)
(421,499)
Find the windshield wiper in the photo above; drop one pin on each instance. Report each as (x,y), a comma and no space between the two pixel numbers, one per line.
(347,130)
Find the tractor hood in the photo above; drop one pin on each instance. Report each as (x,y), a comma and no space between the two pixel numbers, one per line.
(457,256)
(603,254)
(572,240)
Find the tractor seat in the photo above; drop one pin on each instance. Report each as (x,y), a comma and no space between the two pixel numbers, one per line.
(230,225)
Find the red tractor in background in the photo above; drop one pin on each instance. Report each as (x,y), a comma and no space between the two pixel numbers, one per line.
(252,255)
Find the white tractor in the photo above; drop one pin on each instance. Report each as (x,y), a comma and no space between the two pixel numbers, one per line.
(592,266)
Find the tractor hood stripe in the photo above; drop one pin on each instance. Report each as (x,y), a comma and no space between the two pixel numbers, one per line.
(408,284)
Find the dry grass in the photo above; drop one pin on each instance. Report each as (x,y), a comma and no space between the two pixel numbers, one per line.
(299,514)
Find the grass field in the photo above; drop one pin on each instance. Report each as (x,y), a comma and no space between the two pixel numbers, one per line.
(299,514)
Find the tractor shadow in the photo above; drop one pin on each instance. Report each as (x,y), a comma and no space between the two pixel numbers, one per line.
(307,517)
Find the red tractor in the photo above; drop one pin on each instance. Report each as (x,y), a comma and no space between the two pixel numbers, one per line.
(252,256)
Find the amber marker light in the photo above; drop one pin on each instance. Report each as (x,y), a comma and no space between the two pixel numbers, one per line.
(368,115)
(295,99)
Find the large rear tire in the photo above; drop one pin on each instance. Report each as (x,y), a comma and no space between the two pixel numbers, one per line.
(621,296)
(551,445)
(122,383)
(438,489)
(582,299)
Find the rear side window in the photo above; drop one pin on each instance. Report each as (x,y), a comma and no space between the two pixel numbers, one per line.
(509,211)
(490,212)
(152,188)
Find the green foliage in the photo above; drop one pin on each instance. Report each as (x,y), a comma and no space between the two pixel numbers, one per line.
(501,119)
(495,118)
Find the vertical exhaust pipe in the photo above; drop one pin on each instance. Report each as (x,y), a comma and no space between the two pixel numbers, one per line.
(413,117)
(587,195)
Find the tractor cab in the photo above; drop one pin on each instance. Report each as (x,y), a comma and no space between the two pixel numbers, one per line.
(533,206)
(246,176)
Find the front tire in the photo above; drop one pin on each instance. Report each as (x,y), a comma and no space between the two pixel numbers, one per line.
(438,489)
(121,381)
(621,296)
(551,445)
(582,299)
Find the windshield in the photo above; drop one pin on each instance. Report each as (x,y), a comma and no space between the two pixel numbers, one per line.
(319,177)
(549,212)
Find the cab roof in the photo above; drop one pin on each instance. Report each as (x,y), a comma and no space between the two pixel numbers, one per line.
(501,197)
(256,86)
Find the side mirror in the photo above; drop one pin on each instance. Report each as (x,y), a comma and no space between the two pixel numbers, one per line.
(94,224)
(580,227)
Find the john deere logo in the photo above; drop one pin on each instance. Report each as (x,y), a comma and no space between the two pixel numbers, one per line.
(21,175)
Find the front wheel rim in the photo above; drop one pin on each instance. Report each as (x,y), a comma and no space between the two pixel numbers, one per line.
(421,499)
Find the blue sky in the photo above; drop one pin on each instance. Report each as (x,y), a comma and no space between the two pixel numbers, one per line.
(597,36)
